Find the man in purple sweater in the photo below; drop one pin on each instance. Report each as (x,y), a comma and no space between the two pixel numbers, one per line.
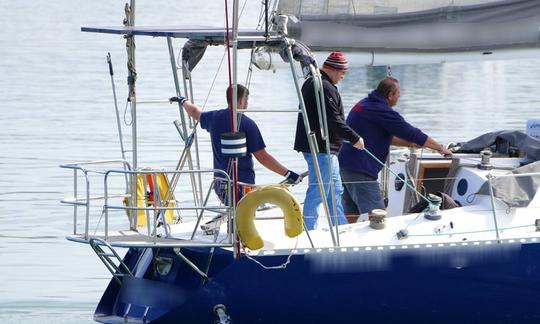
(374,119)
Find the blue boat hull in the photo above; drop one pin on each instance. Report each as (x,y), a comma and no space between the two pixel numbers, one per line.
(498,282)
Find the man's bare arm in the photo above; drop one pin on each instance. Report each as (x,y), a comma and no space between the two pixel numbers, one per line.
(192,109)
(430,143)
(269,162)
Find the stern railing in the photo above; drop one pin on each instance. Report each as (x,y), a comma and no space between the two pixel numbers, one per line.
(155,208)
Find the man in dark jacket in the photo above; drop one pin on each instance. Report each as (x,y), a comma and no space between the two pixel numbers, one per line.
(375,120)
(333,71)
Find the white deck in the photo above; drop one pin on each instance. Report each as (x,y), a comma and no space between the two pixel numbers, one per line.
(470,224)
(474,222)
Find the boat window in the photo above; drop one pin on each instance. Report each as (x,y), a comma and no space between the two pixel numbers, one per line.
(432,175)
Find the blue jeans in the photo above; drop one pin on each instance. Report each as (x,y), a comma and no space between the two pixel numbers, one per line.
(362,193)
(313,196)
(221,190)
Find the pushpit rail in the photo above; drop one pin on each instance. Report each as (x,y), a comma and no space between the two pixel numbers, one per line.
(75,200)
(161,204)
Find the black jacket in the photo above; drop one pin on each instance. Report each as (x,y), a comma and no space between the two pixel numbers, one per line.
(337,127)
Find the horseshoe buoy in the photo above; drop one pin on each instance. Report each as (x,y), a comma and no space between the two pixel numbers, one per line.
(272,194)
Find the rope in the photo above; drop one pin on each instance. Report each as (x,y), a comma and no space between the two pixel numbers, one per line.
(471,232)
(413,220)
(398,176)
(376,181)
(276,267)
(125,114)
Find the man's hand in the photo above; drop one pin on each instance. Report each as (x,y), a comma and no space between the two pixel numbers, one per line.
(444,151)
(179,99)
(292,177)
(359,144)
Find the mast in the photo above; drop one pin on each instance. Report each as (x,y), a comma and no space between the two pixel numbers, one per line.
(132,76)
(234,106)
(129,21)
(235,66)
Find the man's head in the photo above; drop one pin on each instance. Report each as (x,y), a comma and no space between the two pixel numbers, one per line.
(336,66)
(389,88)
(242,93)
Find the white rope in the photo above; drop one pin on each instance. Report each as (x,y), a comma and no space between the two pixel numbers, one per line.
(277,267)
(125,111)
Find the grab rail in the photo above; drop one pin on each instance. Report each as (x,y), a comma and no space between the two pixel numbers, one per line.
(75,166)
(160,205)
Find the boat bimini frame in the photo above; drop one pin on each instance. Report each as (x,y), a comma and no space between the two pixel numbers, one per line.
(142,184)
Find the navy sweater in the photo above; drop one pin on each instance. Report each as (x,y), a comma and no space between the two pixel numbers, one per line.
(377,123)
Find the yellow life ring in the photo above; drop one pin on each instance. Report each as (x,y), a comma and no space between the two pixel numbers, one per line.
(143,199)
(273,194)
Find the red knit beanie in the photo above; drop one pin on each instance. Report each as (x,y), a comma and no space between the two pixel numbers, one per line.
(336,60)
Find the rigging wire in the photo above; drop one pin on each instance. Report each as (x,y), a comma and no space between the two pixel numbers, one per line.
(214,80)
(261,17)
(250,69)
(398,176)
(228,43)
(242,10)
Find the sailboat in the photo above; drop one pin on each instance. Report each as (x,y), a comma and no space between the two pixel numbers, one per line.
(476,262)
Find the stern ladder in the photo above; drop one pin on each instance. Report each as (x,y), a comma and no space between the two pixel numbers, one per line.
(119,270)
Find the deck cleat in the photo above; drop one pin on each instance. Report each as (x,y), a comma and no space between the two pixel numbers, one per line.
(433,212)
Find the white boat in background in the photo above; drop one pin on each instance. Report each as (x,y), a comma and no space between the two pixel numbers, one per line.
(478,261)
(382,32)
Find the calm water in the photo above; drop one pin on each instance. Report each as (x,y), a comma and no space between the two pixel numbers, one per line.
(57,108)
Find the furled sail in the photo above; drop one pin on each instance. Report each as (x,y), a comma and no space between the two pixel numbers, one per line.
(420,26)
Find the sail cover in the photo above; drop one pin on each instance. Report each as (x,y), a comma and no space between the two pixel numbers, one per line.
(516,191)
(502,142)
(414,25)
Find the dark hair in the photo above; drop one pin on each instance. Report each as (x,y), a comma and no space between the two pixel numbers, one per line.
(387,86)
(241,92)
